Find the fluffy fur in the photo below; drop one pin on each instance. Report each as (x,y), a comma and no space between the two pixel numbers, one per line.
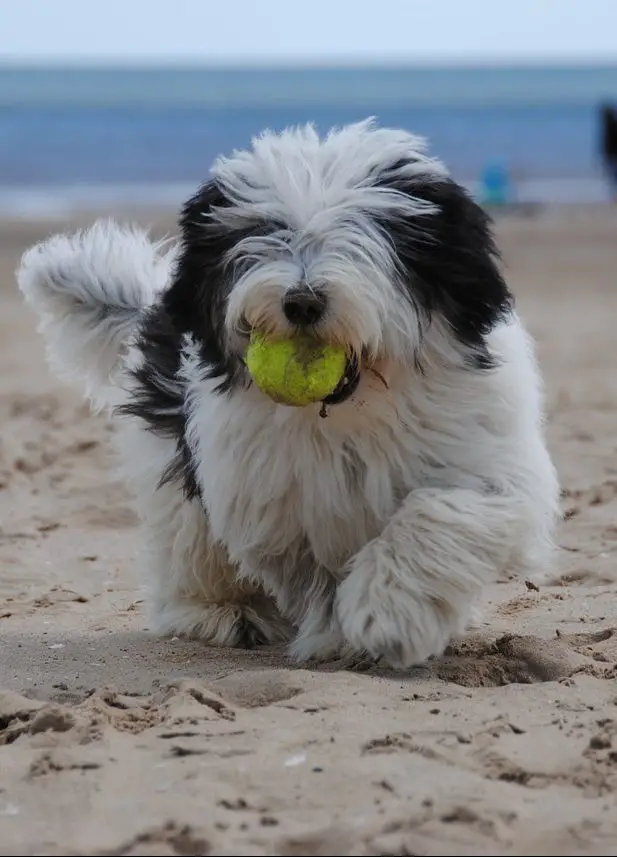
(376,528)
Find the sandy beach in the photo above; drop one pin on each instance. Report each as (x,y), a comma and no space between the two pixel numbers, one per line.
(114,742)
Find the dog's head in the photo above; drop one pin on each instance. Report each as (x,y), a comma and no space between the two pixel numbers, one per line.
(359,239)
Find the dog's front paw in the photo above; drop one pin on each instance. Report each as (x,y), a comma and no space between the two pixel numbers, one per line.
(331,649)
(379,612)
(318,643)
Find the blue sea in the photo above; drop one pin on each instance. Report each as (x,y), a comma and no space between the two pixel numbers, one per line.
(75,138)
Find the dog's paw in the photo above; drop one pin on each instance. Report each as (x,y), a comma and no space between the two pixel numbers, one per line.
(381,616)
(319,646)
(400,634)
(242,625)
(354,661)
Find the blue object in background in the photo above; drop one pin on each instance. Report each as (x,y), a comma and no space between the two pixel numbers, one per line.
(495,184)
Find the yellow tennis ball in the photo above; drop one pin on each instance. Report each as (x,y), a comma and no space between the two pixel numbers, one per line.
(297,371)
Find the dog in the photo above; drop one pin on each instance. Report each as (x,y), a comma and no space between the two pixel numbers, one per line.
(368,523)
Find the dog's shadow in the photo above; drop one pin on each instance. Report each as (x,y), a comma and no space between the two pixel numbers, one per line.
(72,667)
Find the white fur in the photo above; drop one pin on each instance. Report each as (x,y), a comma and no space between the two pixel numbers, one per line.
(322,190)
(89,290)
(375,528)
(417,534)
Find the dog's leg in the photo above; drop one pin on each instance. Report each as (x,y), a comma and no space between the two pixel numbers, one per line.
(304,593)
(412,589)
(194,591)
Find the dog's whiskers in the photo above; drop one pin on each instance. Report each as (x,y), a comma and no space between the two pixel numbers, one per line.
(380,376)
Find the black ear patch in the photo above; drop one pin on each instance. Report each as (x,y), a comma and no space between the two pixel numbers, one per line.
(197,298)
(194,304)
(449,261)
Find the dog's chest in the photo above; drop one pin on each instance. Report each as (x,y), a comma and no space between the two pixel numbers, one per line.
(269,488)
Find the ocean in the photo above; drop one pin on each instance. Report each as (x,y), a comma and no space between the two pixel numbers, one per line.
(75,138)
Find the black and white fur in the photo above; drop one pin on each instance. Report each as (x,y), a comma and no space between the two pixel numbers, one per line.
(375,529)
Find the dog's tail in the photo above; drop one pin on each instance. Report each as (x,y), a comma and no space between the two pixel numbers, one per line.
(90,290)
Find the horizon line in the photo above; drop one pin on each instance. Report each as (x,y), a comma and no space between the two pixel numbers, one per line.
(306,63)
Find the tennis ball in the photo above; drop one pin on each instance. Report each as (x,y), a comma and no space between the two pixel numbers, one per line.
(297,371)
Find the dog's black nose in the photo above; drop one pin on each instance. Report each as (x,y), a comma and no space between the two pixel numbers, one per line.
(303,306)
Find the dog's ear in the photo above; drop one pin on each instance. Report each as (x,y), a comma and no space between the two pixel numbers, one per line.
(196,299)
(192,300)
(448,260)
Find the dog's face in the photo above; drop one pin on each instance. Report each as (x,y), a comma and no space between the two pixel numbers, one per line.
(358,239)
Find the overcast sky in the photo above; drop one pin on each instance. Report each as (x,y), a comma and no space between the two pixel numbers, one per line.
(296,30)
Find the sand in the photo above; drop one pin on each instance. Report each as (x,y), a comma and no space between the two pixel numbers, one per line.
(113,742)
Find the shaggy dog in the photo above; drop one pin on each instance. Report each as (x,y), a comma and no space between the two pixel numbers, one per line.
(372,530)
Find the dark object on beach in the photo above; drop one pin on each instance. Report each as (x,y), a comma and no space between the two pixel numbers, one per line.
(609,145)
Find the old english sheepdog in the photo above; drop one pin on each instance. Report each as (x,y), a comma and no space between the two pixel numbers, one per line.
(372,530)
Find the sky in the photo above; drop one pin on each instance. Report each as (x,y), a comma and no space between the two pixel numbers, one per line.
(283,31)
